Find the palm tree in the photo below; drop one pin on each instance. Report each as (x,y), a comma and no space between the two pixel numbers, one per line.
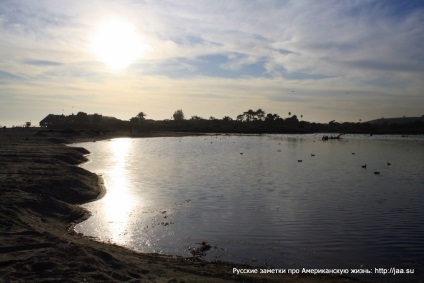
(140,117)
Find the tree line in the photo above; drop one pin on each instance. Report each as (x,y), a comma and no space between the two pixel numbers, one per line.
(259,122)
(249,122)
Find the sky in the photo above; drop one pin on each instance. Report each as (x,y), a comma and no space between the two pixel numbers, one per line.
(326,60)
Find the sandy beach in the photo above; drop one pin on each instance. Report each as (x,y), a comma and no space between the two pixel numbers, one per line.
(41,187)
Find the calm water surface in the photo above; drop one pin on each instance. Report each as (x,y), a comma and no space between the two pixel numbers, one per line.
(254,202)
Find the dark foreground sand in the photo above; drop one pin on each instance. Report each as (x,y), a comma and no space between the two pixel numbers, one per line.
(40,189)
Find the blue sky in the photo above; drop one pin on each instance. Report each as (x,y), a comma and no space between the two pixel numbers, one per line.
(325,60)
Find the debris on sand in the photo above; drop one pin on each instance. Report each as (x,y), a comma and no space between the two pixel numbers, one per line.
(201,250)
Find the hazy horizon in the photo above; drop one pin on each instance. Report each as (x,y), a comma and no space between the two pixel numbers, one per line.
(326,60)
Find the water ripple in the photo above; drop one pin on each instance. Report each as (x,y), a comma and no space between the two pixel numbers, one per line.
(264,206)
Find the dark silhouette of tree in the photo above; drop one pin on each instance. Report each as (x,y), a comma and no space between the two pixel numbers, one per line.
(141,116)
(293,119)
(248,115)
(82,118)
(97,119)
(251,115)
(196,118)
(178,115)
(248,122)
(260,114)
(271,117)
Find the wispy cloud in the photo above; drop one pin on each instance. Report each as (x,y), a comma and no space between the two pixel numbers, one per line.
(42,63)
(6,76)
(250,52)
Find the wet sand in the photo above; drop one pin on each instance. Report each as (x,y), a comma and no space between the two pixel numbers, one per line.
(41,187)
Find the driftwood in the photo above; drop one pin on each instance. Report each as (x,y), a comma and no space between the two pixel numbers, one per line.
(326,138)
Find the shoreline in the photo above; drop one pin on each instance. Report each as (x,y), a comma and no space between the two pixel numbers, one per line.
(88,214)
(41,190)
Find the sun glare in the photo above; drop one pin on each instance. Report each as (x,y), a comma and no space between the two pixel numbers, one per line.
(118,202)
(117,44)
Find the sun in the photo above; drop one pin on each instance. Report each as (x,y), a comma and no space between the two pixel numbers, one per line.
(117,44)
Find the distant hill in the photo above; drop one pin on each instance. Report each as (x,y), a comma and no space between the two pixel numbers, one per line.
(399,120)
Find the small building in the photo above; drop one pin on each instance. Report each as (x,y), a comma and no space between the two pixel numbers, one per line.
(80,120)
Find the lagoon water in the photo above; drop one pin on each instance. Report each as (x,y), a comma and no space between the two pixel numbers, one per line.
(254,202)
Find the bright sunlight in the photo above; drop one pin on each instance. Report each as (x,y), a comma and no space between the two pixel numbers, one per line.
(117,44)
(118,202)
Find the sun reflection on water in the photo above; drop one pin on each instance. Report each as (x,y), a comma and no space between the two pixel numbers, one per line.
(165,195)
(119,201)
